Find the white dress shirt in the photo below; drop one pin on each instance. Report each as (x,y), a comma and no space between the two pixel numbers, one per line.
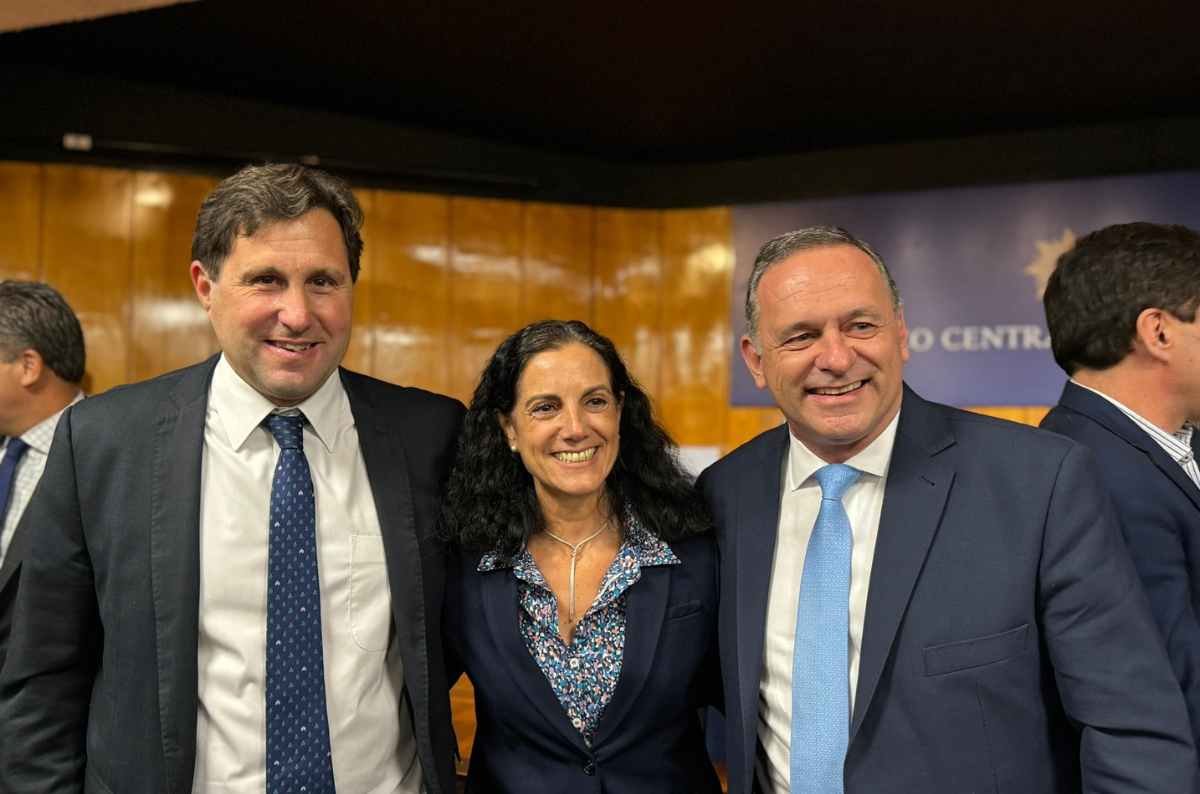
(370,723)
(29,471)
(1177,444)
(799,505)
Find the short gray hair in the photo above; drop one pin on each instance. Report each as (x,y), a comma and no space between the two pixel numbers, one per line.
(780,248)
(260,195)
(33,315)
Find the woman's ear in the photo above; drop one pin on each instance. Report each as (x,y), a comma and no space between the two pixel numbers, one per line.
(506,427)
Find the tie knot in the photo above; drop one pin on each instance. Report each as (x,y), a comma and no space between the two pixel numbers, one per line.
(288,430)
(15,449)
(835,478)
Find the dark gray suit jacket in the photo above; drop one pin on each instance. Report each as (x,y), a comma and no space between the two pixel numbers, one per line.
(99,690)
(1007,646)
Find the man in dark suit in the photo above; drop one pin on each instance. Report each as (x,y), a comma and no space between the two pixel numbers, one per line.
(233,584)
(915,598)
(42,361)
(1121,309)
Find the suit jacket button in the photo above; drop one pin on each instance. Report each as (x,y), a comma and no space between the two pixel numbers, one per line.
(589,769)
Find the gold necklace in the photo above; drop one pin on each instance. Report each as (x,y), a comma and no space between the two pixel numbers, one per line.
(575,548)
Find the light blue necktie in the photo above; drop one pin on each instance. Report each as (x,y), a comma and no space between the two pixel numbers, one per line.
(298,754)
(820,661)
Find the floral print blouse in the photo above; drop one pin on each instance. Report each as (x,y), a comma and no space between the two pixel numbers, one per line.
(584,673)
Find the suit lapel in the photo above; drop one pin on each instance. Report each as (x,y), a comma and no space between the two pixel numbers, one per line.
(502,612)
(387,471)
(18,550)
(175,565)
(755,529)
(918,484)
(1110,417)
(645,608)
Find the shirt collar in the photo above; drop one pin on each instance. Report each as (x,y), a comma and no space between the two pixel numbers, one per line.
(41,435)
(1177,444)
(646,549)
(874,460)
(240,408)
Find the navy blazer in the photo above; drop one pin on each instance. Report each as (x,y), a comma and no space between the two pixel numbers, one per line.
(649,738)
(1007,644)
(99,690)
(1159,509)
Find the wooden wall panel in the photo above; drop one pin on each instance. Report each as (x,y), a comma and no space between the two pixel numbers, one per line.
(697,280)
(20,221)
(410,236)
(168,328)
(86,255)
(557,263)
(626,289)
(485,263)
(360,354)
(1028,415)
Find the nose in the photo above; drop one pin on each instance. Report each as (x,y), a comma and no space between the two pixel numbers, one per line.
(835,355)
(294,312)
(574,426)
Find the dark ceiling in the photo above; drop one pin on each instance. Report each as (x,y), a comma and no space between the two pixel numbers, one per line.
(654,82)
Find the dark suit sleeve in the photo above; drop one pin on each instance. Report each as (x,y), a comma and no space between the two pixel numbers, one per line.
(1109,663)
(46,683)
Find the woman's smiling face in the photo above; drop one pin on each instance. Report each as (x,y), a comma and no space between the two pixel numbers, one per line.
(565,422)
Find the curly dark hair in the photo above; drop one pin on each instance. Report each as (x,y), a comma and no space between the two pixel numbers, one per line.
(1100,286)
(490,501)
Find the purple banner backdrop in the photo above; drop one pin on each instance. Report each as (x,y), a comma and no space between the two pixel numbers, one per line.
(971,264)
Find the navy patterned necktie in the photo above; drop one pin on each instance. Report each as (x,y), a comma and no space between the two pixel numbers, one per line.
(8,470)
(298,752)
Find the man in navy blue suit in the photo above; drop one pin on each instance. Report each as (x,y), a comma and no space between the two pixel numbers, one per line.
(915,598)
(1121,309)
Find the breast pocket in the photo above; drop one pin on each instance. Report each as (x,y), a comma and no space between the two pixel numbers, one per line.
(370,600)
(962,655)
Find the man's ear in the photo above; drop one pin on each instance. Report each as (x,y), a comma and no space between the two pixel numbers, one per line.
(1152,333)
(202,283)
(31,367)
(753,361)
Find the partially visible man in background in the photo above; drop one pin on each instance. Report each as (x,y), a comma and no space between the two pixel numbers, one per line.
(41,365)
(1121,309)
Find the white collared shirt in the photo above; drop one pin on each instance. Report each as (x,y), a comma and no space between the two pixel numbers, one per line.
(370,722)
(799,505)
(29,471)
(1177,444)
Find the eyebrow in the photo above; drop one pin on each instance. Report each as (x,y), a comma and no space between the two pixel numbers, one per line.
(272,270)
(550,396)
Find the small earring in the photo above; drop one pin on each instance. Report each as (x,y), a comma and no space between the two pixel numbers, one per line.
(513,449)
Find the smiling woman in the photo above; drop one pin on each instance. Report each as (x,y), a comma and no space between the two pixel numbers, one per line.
(582,602)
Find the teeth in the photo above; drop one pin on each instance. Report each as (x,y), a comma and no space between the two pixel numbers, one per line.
(839,389)
(295,348)
(576,457)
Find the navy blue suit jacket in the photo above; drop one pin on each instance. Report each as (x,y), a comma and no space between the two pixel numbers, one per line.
(1159,511)
(1007,645)
(649,739)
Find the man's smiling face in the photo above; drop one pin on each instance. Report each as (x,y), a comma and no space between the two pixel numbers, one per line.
(281,305)
(831,348)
